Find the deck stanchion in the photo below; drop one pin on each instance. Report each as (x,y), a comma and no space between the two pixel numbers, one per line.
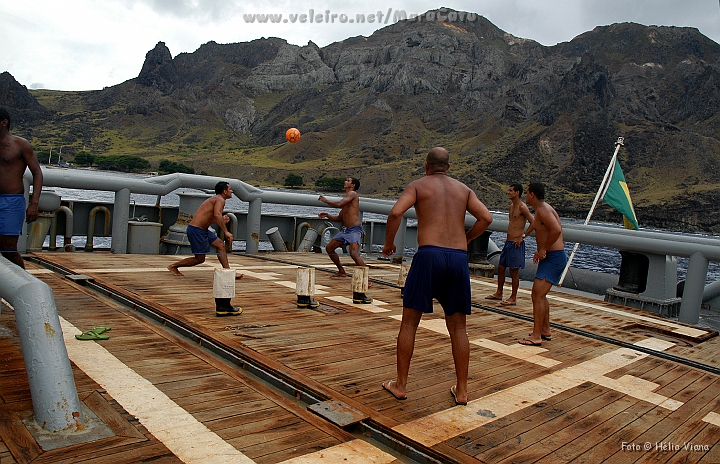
(360,285)
(693,292)
(52,387)
(121,214)
(305,287)
(253,226)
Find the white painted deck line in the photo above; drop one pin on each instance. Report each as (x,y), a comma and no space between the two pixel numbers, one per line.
(190,440)
(351,452)
(712,418)
(441,426)
(293,285)
(526,353)
(372,308)
(260,275)
(677,328)
(42,271)
(518,351)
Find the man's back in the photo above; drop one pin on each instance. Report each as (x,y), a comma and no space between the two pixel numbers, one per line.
(440,205)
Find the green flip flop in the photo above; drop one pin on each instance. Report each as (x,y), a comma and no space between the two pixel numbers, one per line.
(91,335)
(101,329)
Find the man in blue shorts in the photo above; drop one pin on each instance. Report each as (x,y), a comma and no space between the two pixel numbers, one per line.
(16,155)
(351,233)
(440,266)
(513,253)
(201,240)
(550,258)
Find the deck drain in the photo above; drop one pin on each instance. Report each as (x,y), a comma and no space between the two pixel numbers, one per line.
(669,335)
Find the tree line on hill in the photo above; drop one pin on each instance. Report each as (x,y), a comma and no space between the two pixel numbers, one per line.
(124,163)
(334,184)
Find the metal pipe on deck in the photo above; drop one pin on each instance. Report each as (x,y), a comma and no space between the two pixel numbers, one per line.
(121,213)
(67,240)
(91,225)
(252,239)
(52,386)
(693,292)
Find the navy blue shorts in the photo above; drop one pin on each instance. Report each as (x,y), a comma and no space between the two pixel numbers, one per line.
(513,257)
(440,273)
(552,267)
(12,214)
(200,240)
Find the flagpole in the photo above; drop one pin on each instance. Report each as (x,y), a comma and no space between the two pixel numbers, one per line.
(618,144)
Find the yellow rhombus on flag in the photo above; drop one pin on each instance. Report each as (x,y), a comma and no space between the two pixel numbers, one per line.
(617,195)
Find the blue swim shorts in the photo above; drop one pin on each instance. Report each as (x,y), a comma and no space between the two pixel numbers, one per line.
(552,267)
(12,214)
(349,235)
(513,257)
(200,240)
(440,273)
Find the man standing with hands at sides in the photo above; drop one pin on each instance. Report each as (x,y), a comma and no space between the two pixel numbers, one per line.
(16,155)
(513,253)
(550,258)
(440,266)
(352,227)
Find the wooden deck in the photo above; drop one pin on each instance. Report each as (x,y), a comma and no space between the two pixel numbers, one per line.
(612,381)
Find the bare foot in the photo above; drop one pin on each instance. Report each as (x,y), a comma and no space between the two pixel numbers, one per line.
(239,276)
(339,274)
(493,296)
(508,302)
(174,270)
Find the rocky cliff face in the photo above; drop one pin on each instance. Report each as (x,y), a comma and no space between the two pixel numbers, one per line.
(509,110)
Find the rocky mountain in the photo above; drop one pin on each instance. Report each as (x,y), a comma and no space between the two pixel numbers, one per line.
(508,109)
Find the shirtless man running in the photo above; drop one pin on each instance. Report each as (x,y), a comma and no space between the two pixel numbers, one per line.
(351,234)
(16,155)
(440,266)
(513,253)
(550,258)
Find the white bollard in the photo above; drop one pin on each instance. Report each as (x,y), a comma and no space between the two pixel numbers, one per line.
(223,291)
(305,287)
(360,285)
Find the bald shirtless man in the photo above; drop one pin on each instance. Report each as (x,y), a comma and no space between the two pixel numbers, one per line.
(16,155)
(550,258)
(440,266)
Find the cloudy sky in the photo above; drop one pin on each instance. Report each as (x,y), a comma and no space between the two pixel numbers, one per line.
(91,44)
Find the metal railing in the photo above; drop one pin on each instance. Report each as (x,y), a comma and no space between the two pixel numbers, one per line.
(699,250)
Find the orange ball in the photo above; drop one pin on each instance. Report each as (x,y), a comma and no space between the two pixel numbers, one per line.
(292,135)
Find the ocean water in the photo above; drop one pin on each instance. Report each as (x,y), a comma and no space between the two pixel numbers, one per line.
(594,258)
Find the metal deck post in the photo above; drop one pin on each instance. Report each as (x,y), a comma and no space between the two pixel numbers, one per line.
(52,386)
(121,213)
(694,287)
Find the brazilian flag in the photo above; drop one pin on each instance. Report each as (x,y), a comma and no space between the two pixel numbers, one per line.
(617,195)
